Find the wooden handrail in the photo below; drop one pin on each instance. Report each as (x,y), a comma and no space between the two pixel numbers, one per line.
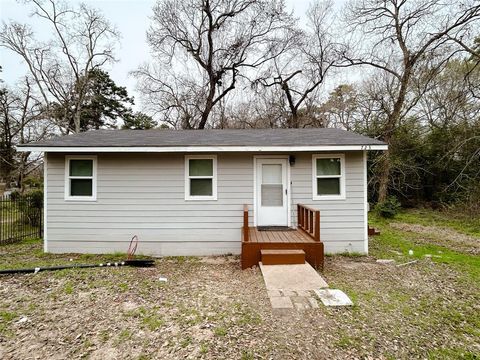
(245,223)
(309,221)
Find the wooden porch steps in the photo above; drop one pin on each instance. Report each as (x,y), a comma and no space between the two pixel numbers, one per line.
(291,246)
(282,257)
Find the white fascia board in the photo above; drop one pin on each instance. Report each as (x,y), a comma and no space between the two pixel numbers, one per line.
(194,149)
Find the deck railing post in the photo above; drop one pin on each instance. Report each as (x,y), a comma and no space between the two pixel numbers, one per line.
(310,226)
(309,221)
(317,226)
(299,215)
(305,219)
(245,223)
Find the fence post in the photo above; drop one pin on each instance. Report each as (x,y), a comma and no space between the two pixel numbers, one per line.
(40,223)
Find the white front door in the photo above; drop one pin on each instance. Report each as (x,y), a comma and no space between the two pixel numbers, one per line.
(272,187)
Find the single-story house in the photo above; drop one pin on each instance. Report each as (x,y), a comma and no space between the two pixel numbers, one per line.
(207,192)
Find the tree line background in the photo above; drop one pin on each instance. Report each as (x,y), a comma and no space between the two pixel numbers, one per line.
(403,71)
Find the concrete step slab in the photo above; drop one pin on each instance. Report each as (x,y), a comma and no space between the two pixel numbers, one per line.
(292,277)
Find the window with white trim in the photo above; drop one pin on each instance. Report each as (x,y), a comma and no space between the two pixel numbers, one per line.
(328,177)
(80,178)
(201,177)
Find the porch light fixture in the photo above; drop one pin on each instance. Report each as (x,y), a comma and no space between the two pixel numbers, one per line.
(291,160)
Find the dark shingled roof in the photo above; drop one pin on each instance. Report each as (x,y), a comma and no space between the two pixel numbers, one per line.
(227,137)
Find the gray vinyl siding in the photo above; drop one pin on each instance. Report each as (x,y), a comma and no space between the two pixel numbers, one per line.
(144,195)
(342,226)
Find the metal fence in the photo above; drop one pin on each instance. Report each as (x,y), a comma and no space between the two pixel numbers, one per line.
(21,216)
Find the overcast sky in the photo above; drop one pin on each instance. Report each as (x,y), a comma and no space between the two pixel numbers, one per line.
(131,17)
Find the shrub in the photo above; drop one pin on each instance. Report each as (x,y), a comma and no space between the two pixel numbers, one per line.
(33,182)
(36,198)
(388,208)
(15,195)
(31,204)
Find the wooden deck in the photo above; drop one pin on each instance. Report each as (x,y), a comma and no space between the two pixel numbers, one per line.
(306,237)
(278,236)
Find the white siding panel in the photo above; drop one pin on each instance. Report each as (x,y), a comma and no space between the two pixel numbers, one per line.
(143,194)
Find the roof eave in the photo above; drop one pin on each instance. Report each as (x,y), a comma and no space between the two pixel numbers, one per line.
(190,149)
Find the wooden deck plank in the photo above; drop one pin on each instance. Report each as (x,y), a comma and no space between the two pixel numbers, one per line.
(297,236)
(269,236)
(253,234)
(287,236)
(275,236)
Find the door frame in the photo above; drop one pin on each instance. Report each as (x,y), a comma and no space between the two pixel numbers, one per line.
(289,191)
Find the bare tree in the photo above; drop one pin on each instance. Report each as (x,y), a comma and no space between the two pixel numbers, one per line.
(300,71)
(203,48)
(402,36)
(22,120)
(83,40)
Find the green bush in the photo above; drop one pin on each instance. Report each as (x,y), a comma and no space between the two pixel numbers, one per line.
(388,208)
(36,198)
(33,182)
(31,204)
(15,195)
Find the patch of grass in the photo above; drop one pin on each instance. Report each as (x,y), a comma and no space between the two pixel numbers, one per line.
(31,241)
(189,316)
(427,217)
(68,288)
(138,312)
(87,343)
(203,348)
(403,242)
(247,355)
(456,353)
(153,322)
(187,340)
(220,331)
(7,316)
(104,335)
(123,287)
(345,341)
(125,335)
(245,315)
(114,257)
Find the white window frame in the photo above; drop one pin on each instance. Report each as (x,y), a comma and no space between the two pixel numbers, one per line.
(315,195)
(188,177)
(69,197)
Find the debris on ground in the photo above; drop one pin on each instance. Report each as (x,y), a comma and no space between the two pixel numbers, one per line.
(385,261)
(22,320)
(407,263)
(333,297)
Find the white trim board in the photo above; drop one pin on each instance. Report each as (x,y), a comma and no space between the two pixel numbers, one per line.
(194,149)
(365,210)
(45,202)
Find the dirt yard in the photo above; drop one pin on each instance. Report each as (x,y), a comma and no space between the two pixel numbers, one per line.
(210,309)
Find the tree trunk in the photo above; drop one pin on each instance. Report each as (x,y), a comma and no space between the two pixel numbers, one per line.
(76,121)
(204,118)
(293,119)
(208,106)
(384,176)
(392,122)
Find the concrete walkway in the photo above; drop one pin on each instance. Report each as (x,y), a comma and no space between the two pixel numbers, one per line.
(292,286)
